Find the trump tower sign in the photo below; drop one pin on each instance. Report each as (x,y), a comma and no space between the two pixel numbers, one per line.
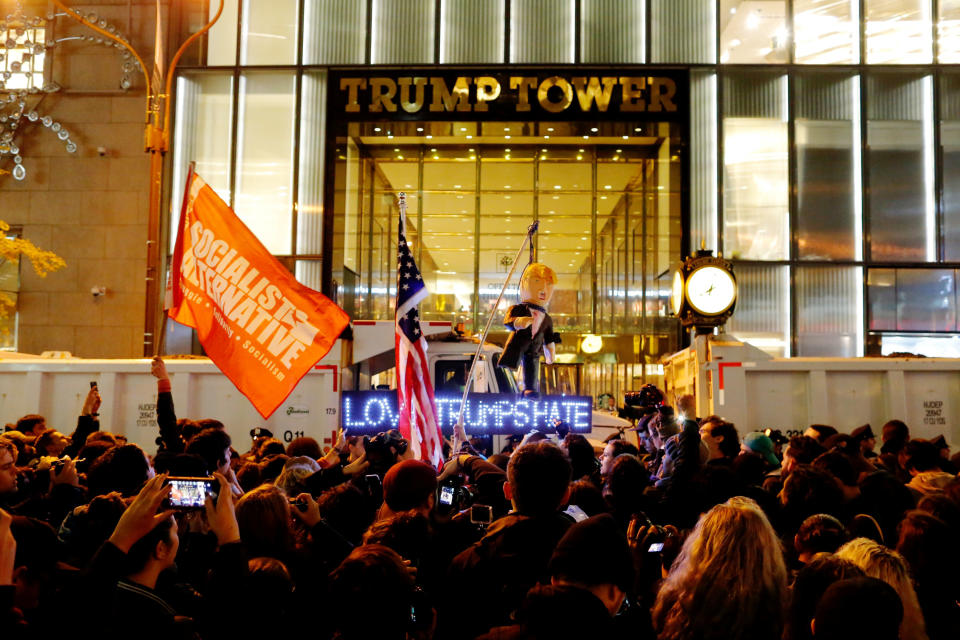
(570,94)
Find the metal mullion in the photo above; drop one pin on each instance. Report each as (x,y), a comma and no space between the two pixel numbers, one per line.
(234,130)
(436,31)
(368,42)
(593,244)
(235,109)
(720,163)
(368,300)
(627,258)
(420,154)
(644,194)
(298,112)
(934,41)
(937,140)
(647,31)
(792,205)
(535,240)
(862,30)
(716,32)
(506,32)
(476,240)
(577,31)
(791,48)
(865,238)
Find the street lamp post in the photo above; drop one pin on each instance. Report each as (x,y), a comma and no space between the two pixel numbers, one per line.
(156,143)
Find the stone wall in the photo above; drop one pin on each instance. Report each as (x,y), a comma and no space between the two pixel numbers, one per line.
(88,207)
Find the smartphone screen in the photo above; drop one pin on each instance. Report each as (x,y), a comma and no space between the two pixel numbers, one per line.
(656,547)
(446,495)
(190,493)
(375,488)
(481,514)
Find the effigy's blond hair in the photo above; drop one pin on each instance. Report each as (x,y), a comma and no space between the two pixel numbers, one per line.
(538,270)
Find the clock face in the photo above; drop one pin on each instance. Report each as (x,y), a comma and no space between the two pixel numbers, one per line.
(711,290)
(676,295)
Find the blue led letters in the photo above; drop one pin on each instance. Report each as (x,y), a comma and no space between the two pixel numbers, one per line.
(373,411)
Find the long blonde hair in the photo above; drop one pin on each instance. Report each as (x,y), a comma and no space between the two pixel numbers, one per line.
(882,563)
(729,581)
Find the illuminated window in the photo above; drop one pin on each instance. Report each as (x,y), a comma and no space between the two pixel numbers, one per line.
(948,31)
(753,32)
(898,31)
(22,57)
(826,31)
(755,171)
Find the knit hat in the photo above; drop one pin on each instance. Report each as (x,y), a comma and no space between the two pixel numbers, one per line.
(763,445)
(408,484)
(592,552)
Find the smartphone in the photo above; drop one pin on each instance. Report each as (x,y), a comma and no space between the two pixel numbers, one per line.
(93,384)
(191,493)
(375,488)
(446,494)
(656,547)
(481,514)
(576,513)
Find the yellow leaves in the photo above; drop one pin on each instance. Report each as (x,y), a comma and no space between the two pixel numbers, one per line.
(12,250)
(7,304)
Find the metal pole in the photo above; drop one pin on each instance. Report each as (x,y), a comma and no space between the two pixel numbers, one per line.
(483,337)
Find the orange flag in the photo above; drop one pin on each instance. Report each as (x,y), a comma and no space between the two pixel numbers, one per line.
(260,326)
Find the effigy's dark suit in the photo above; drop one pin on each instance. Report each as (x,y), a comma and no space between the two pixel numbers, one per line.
(524,346)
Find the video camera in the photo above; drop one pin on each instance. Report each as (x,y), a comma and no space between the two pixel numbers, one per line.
(383,449)
(639,404)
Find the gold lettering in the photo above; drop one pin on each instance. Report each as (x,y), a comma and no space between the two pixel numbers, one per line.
(488,90)
(662,91)
(543,94)
(633,94)
(523,86)
(417,103)
(380,99)
(353,86)
(446,100)
(587,95)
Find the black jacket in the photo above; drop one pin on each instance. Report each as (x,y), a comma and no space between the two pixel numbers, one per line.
(523,343)
(490,579)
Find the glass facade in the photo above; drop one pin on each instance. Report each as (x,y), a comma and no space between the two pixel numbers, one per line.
(823,157)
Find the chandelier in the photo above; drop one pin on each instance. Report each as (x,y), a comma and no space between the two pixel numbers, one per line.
(24,44)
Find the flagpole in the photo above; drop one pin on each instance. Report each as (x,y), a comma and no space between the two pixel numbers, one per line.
(458,431)
(161,342)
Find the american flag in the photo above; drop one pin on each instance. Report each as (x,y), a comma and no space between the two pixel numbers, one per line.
(418,421)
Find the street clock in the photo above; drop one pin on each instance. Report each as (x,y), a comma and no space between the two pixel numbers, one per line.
(703,291)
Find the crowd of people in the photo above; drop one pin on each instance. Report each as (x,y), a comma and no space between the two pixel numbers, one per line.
(691,529)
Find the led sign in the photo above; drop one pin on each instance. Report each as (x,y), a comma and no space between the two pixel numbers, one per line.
(369,412)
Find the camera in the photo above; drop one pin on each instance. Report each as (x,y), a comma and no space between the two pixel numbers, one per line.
(639,404)
(382,449)
(58,465)
(454,496)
